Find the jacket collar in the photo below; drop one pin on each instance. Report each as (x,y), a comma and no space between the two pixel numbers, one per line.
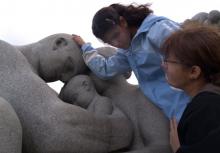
(144,27)
(148,22)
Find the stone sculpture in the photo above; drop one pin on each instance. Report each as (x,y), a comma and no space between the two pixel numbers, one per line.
(49,125)
(122,120)
(80,91)
(149,123)
(10,129)
(211,18)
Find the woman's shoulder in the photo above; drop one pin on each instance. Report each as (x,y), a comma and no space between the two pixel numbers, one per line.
(203,104)
(207,99)
(207,95)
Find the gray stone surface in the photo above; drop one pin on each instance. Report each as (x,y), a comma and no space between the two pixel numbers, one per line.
(54,58)
(50,125)
(151,128)
(10,129)
(151,131)
(201,17)
(119,118)
(211,18)
(81,91)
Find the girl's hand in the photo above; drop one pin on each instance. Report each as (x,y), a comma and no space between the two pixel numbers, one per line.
(174,139)
(79,41)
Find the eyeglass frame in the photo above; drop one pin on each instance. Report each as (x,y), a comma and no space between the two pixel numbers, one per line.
(165,61)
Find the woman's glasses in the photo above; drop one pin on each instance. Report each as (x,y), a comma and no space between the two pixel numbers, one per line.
(171,61)
(166,61)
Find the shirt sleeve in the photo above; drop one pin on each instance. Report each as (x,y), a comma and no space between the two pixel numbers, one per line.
(105,67)
(160,31)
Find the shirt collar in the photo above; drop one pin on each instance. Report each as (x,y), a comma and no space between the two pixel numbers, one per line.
(148,22)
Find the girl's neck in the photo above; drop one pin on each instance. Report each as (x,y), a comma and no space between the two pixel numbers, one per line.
(133,31)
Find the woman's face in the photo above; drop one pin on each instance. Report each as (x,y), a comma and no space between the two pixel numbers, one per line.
(119,37)
(177,74)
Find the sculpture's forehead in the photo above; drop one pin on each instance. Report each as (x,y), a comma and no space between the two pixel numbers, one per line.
(58,42)
(55,36)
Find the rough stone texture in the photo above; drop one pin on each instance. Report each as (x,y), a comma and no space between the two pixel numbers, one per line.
(49,125)
(81,91)
(129,124)
(151,128)
(211,18)
(10,129)
(150,125)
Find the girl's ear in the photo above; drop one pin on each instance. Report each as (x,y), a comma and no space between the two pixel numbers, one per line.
(123,22)
(195,72)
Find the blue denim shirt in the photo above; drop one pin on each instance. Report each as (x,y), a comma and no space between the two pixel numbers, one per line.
(144,58)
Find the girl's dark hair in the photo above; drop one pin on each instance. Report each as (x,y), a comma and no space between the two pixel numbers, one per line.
(197,45)
(108,17)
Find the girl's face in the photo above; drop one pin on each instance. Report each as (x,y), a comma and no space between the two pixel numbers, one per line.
(119,37)
(177,74)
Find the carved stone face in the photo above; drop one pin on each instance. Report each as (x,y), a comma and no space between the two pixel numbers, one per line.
(79,91)
(60,58)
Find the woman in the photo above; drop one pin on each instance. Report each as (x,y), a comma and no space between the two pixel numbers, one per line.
(192,63)
(138,34)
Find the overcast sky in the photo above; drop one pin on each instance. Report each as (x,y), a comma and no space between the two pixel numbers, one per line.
(27,21)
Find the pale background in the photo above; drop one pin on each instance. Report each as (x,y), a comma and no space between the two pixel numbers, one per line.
(27,21)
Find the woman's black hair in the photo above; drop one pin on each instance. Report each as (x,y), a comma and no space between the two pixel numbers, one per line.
(108,17)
